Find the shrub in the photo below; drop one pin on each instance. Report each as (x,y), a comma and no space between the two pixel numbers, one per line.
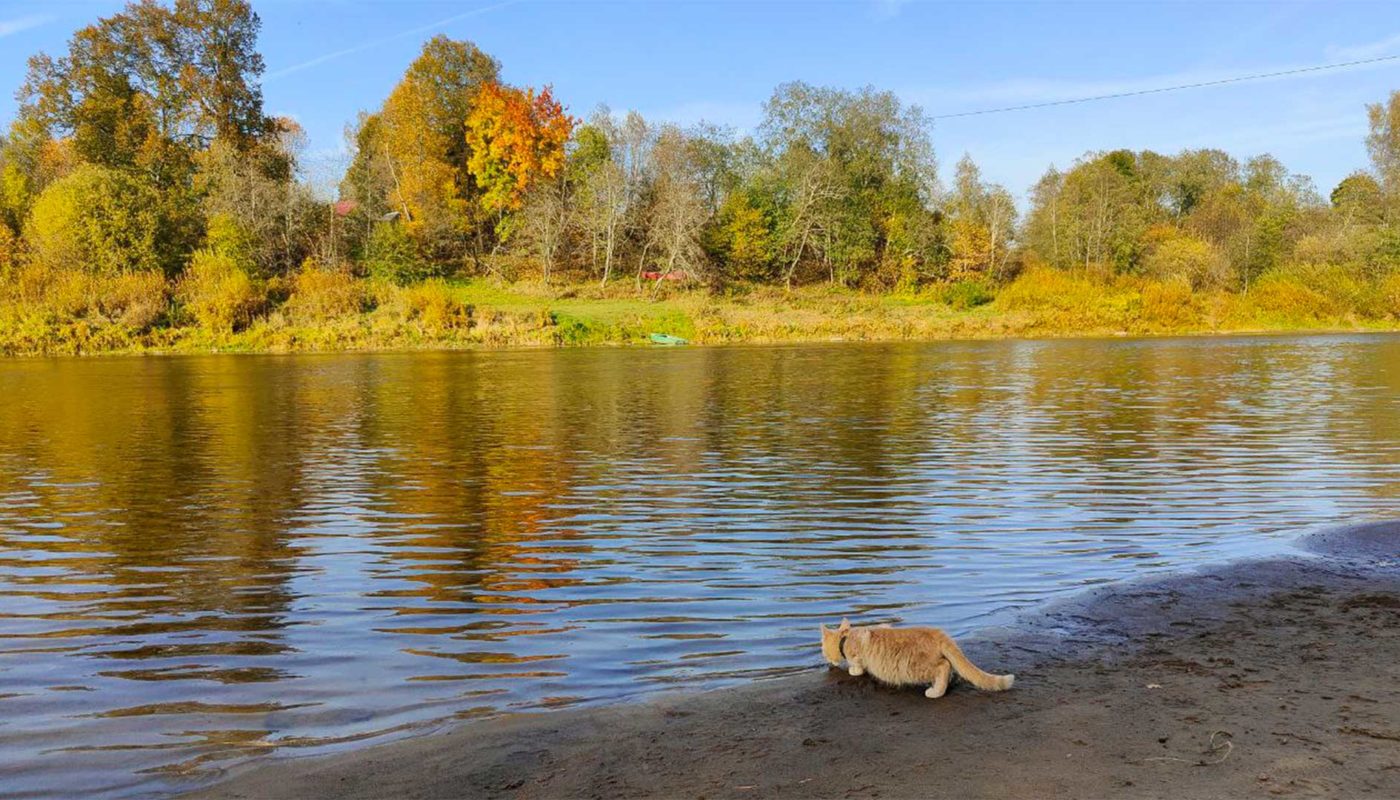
(66,293)
(219,293)
(1287,295)
(1329,248)
(9,251)
(1168,304)
(29,282)
(390,254)
(1390,293)
(136,300)
(433,306)
(97,220)
(319,294)
(224,235)
(1183,256)
(966,294)
(1049,289)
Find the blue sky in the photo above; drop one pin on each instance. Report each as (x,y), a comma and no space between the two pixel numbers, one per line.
(684,61)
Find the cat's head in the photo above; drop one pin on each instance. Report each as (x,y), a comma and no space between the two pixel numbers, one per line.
(831,642)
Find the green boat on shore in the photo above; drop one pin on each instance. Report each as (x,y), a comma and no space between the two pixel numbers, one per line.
(667,339)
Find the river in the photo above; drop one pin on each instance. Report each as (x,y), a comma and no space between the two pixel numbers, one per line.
(207,559)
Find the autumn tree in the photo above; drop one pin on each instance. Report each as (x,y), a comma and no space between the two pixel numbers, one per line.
(152,86)
(1359,199)
(982,219)
(604,199)
(1096,212)
(255,190)
(411,157)
(545,221)
(515,139)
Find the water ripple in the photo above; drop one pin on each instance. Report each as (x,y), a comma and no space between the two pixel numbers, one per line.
(206,559)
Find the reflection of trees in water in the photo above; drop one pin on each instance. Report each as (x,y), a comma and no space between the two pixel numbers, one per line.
(172,481)
(470,461)
(203,465)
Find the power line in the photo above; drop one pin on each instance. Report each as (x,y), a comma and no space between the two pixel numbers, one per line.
(1161,89)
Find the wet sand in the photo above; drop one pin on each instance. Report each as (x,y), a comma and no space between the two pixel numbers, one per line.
(1270,678)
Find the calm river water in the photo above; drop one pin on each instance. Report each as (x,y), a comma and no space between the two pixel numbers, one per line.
(204,559)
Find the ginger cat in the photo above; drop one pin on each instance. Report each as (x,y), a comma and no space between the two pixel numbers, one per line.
(905,657)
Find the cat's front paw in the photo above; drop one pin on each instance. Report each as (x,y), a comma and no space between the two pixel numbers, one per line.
(856,671)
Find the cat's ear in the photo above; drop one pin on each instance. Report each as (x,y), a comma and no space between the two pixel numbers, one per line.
(845,625)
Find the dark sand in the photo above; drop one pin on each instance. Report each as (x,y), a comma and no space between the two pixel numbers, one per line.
(1256,679)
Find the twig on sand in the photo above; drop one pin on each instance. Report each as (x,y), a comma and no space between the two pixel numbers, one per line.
(1387,735)
(1219,743)
(1297,736)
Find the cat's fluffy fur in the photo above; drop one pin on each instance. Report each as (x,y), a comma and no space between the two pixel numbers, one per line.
(906,657)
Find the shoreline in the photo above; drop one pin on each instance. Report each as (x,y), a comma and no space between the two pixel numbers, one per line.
(1265,677)
(529,347)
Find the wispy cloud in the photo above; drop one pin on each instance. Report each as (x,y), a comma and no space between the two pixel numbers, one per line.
(1381,47)
(9,27)
(888,9)
(956,99)
(373,43)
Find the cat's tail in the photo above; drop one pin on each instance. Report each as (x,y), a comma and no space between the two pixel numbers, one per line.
(970,673)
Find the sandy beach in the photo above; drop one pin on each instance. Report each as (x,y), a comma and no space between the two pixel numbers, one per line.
(1264,678)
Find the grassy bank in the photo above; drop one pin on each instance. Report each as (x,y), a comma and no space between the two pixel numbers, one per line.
(325,311)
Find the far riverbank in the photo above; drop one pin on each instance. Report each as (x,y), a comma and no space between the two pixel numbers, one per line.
(335,312)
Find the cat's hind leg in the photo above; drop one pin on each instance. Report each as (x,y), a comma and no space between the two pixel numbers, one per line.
(941,674)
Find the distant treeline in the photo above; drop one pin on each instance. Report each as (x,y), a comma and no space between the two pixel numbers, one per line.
(143,185)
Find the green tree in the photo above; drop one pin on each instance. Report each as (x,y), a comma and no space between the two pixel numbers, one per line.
(847,162)
(1359,199)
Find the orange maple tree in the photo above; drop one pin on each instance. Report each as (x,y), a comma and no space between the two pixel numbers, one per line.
(516,137)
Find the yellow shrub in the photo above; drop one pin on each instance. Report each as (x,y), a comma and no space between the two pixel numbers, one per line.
(9,251)
(433,306)
(1168,305)
(1346,290)
(319,294)
(1048,289)
(1183,256)
(220,295)
(135,299)
(1390,293)
(66,292)
(1287,295)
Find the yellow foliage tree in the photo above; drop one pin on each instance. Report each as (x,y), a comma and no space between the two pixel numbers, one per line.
(515,139)
(970,242)
(748,234)
(99,220)
(412,155)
